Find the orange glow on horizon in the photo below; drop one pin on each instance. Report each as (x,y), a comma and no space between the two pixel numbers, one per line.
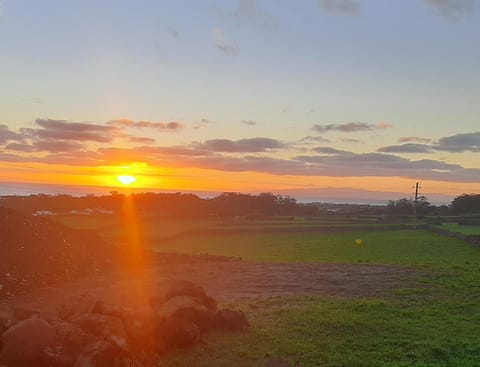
(198,179)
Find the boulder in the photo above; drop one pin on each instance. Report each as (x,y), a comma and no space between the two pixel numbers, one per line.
(189,309)
(175,333)
(187,288)
(176,304)
(72,337)
(24,344)
(232,320)
(22,313)
(140,328)
(76,306)
(109,327)
(108,309)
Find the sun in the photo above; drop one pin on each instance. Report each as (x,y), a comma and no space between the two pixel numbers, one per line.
(126,180)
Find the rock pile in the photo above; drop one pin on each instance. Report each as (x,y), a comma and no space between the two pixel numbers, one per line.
(98,334)
(36,251)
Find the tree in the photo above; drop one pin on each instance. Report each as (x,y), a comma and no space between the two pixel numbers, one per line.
(466,204)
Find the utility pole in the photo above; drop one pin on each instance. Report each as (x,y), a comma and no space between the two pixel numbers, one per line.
(415,202)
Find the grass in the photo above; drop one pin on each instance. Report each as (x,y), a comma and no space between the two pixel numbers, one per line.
(433,322)
(313,331)
(404,247)
(463,229)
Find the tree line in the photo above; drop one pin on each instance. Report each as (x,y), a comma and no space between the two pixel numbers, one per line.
(229,204)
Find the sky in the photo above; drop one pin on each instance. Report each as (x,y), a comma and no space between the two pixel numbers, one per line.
(242,95)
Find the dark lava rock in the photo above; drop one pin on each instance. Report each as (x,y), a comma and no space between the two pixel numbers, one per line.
(175,333)
(232,320)
(24,344)
(187,288)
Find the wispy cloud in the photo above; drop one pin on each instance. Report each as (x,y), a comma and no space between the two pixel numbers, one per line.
(251,145)
(353,141)
(349,127)
(341,7)
(223,44)
(141,140)
(452,9)
(247,12)
(329,150)
(408,139)
(406,148)
(202,123)
(66,130)
(313,140)
(162,126)
(248,122)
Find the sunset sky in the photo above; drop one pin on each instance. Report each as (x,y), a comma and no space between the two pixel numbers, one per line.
(242,95)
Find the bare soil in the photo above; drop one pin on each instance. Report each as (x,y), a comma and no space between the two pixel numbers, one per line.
(226,281)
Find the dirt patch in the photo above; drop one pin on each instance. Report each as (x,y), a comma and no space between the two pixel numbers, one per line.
(227,281)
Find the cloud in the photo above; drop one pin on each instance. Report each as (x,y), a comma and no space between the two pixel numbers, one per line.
(248,122)
(452,9)
(328,150)
(6,134)
(202,123)
(459,143)
(378,164)
(349,127)
(340,7)
(174,33)
(247,12)
(50,145)
(57,146)
(141,139)
(313,139)
(162,126)
(251,145)
(223,44)
(466,142)
(354,141)
(207,156)
(406,148)
(65,130)
(408,139)
(20,147)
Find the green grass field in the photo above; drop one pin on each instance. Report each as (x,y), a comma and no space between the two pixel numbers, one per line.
(435,325)
(463,229)
(380,247)
(432,323)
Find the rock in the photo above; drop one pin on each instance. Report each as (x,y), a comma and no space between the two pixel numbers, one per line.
(100,354)
(22,313)
(187,288)
(24,343)
(189,309)
(76,306)
(59,357)
(109,309)
(175,304)
(232,320)
(175,332)
(72,337)
(109,327)
(6,321)
(140,328)
(206,320)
